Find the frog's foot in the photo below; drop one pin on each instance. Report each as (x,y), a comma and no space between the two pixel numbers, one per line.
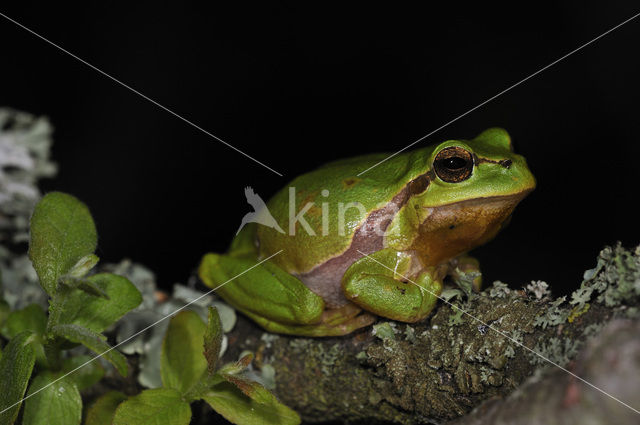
(379,283)
(335,322)
(467,264)
(340,314)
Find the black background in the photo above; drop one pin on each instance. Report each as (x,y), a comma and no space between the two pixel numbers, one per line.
(296,86)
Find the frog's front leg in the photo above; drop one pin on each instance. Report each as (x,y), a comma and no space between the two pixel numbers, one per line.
(380,283)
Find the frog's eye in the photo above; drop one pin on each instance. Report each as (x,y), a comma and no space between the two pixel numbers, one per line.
(453,164)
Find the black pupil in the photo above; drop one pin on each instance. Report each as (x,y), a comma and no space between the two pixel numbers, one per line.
(454,163)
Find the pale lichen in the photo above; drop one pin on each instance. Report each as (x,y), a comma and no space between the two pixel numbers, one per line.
(25,143)
(554,315)
(499,290)
(410,334)
(615,279)
(384,330)
(557,350)
(539,289)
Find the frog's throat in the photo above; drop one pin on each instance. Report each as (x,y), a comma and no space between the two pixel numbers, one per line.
(453,229)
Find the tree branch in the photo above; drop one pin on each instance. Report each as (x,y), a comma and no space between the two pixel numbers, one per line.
(442,368)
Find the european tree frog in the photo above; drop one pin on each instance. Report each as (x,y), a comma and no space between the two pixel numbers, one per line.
(376,244)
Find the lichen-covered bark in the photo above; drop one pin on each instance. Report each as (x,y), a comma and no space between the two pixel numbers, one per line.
(443,367)
(611,362)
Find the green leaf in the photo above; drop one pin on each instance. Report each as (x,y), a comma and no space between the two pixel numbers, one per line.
(182,361)
(54,402)
(251,389)
(212,340)
(236,367)
(160,406)
(16,366)
(86,375)
(104,408)
(83,309)
(226,399)
(62,232)
(82,267)
(85,285)
(31,318)
(93,341)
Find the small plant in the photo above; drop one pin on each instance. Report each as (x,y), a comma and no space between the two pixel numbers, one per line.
(190,352)
(81,307)
(42,365)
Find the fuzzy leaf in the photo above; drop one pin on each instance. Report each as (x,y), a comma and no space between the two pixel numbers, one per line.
(236,367)
(86,375)
(31,318)
(182,360)
(85,285)
(58,403)
(62,232)
(83,266)
(160,406)
(226,399)
(16,366)
(212,340)
(98,313)
(94,342)
(104,408)
(251,389)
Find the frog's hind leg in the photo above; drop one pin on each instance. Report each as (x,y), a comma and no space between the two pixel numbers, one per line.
(262,289)
(273,298)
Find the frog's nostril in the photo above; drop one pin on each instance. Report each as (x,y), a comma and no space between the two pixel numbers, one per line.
(506,163)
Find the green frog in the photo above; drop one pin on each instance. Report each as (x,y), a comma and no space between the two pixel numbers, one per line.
(347,246)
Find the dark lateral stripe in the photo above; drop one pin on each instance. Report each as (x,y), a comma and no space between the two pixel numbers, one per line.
(506,163)
(325,279)
(419,184)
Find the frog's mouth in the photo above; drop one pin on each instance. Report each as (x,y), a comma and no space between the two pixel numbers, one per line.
(490,201)
(453,229)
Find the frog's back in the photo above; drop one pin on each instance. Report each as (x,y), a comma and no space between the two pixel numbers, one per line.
(330,191)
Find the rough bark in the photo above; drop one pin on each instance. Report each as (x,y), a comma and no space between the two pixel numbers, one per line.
(611,362)
(442,368)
